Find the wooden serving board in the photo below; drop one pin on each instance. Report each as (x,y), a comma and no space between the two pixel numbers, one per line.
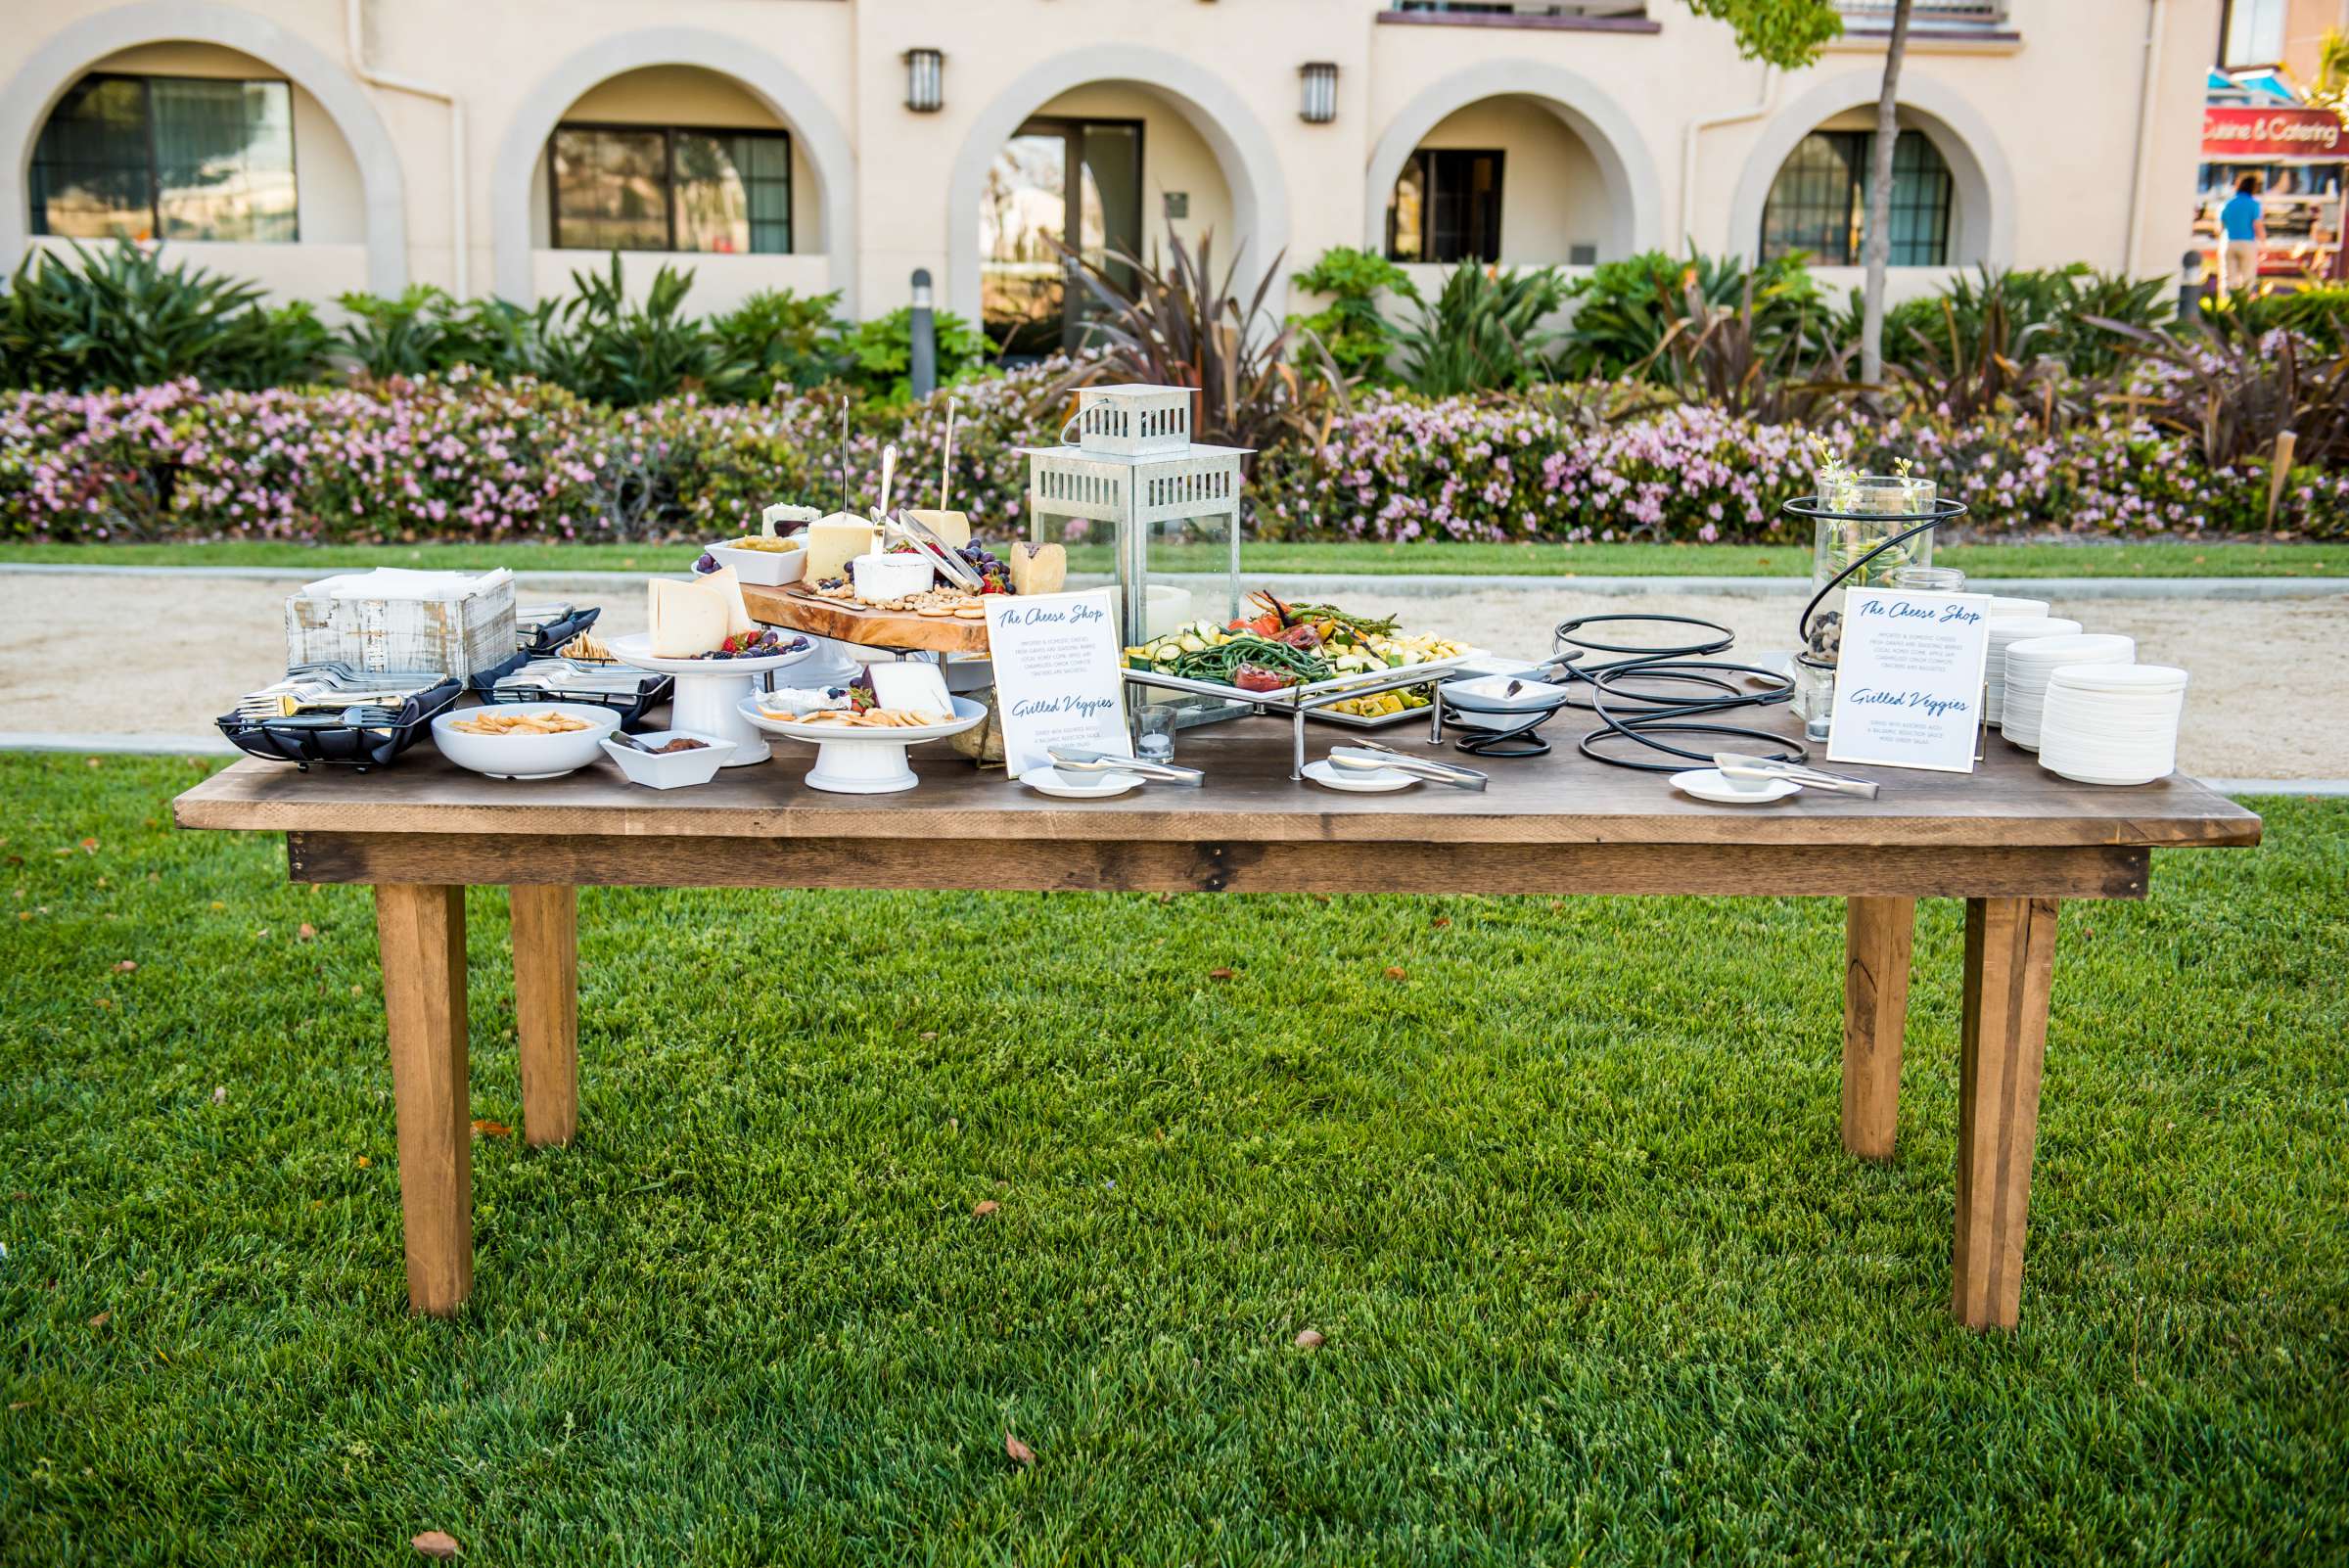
(845,621)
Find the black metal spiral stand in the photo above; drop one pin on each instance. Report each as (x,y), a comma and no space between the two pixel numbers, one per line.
(1683,690)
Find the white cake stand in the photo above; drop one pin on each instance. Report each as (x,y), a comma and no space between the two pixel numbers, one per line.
(709,692)
(862,761)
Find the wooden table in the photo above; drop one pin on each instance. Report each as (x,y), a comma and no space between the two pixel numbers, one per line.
(2010,840)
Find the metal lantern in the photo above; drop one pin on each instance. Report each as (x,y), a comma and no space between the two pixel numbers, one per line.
(1133,465)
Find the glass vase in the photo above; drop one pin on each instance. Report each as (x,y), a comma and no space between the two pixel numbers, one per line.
(1876,507)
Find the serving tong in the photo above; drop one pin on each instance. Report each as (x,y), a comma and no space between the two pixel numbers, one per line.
(554,673)
(1371,757)
(933,547)
(1084,760)
(1737,764)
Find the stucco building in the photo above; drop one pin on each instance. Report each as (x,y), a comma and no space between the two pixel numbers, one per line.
(497,145)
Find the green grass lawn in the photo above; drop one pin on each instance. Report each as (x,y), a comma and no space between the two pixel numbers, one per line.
(2162,560)
(1566,1198)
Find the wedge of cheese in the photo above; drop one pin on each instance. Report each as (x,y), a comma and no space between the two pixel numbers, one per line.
(690,619)
(1038,568)
(832,541)
(910,687)
(686,620)
(783,515)
(952,527)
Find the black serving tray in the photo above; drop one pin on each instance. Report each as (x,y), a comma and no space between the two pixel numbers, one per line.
(555,634)
(339,745)
(631,710)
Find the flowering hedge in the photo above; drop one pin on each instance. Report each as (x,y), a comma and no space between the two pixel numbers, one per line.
(466,457)
(1398,469)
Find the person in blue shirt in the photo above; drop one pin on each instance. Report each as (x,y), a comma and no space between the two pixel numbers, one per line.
(2240,229)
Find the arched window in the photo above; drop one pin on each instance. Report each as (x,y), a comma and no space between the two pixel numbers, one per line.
(170,158)
(1819,202)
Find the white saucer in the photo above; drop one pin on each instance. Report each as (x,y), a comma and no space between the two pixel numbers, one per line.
(1046,781)
(1707,784)
(1359,781)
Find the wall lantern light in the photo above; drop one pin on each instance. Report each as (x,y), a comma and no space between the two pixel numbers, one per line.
(1320,105)
(925,80)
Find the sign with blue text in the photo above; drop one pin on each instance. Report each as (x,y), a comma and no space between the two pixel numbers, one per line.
(1057,678)
(1908,683)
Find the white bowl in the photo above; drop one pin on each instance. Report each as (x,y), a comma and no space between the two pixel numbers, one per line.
(524,756)
(891,577)
(762,569)
(673,769)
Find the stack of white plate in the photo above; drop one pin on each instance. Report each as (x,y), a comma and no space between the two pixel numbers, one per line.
(2000,604)
(2032,660)
(2004,632)
(2111,723)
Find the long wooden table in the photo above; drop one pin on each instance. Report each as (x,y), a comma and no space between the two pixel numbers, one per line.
(2010,840)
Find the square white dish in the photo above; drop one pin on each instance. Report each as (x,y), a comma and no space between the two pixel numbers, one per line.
(670,770)
(762,569)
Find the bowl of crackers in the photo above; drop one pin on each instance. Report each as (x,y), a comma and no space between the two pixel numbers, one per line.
(524,740)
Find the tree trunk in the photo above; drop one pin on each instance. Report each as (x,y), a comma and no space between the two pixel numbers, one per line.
(1876,248)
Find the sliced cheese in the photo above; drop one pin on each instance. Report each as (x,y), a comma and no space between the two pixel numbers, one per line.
(832,541)
(1038,568)
(952,527)
(686,620)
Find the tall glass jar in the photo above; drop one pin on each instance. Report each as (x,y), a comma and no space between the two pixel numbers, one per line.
(1876,507)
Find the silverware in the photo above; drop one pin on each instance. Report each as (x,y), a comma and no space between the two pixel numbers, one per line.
(1084,760)
(1371,757)
(1737,764)
(361,715)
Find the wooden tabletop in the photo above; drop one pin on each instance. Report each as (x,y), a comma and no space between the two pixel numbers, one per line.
(1564,798)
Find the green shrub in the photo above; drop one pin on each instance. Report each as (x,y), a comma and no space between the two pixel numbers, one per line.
(1482,332)
(1626,310)
(1352,327)
(2044,313)
(787,340)
(2320,313)
(881,353)
(119,318)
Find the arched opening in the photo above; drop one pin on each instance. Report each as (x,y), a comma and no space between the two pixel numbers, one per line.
(208,130)
(674,148)
(1804,184)
(1107,170)
(1500,181)
(1105,149)
(682,165)
(1515,162)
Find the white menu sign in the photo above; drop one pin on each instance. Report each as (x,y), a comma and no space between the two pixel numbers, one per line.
(1057,678)
(1908,683)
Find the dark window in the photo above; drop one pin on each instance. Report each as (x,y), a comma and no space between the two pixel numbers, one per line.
(172,157)
(1446,208)
(1819,202)
(669,188)
(1058,186)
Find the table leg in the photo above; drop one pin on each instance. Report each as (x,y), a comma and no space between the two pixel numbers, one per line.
(2009,964)
(1876,934)
(420,931)
(546,1009)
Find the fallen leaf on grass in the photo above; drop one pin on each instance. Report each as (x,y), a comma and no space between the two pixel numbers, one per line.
(1394,972)
(1442,921)
(1019,1452)
(364,1162)
(102,1319)
(486,1129)
(1311,1339)
(89,846)
(127,966)
(305,933)
(220,1094)
(1218,974)
(983,1206)
(436,1543)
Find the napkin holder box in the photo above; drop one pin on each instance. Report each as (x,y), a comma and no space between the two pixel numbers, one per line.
(466,631)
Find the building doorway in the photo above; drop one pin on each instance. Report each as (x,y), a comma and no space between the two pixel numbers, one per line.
(1073,182)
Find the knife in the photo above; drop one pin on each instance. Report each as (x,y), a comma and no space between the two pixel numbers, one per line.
(1736,765)
(1084,760)
(1365,759)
